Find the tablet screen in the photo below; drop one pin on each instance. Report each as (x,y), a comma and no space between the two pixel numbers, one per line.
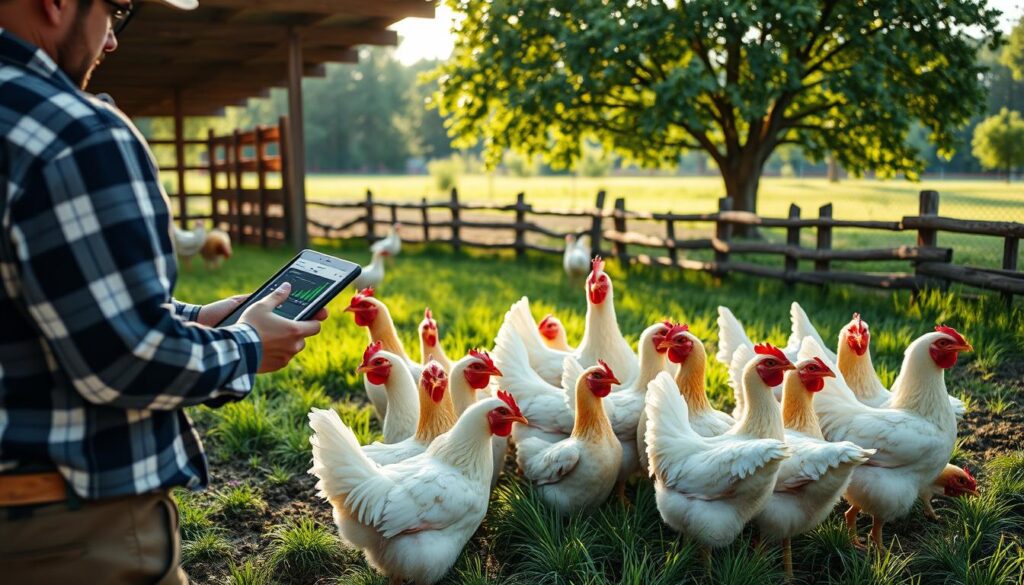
(310,282)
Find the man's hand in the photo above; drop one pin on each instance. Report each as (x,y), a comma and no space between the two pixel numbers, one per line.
(282,338)
(215,312)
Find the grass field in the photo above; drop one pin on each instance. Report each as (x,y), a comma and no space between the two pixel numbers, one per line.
(260,521)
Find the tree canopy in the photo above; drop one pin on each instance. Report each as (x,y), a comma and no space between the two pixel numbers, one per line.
(652,79)
(999,141)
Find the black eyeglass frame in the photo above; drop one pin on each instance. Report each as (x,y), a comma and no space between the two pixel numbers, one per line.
(119,24)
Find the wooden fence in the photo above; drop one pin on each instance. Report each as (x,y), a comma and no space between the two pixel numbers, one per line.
(251,213)
(929,265)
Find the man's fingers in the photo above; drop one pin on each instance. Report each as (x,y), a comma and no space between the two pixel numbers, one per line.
(279,295)
(307,328)
(321,315)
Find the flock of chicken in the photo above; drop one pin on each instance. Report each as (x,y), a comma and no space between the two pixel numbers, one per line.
(214,245)
(810,426)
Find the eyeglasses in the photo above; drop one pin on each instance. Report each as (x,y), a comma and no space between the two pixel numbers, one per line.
(120,15)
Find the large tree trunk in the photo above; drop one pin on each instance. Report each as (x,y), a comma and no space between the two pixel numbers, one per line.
(741,183)
(833,169)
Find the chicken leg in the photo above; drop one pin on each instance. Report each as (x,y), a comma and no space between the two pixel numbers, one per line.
(929,511)
(876,532)
(787,558)
(620,490)
(851,525)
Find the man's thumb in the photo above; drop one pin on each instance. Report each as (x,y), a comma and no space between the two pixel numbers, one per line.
(279,295)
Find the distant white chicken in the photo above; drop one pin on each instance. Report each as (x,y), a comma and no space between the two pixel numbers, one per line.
(188,243)
(430,341)
(576,258)
(411,519)
(814,476)
(373,273)
(552,332)
(710,487)
(856,367)
(913,436)
(391,244)
(436,416)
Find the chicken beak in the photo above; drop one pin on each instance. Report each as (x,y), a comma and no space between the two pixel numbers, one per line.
(615,381)
(665,345)
(829,374)
(349,309)
(965,347)
(363,368)
(788,366)
(519,419)
(494,371)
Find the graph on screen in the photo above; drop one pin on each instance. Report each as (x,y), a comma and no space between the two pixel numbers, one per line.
(306,288)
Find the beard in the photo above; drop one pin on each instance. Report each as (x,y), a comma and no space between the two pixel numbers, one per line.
(76,58)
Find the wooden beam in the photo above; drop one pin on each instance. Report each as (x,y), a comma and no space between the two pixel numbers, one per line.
(161,32)
(296,144)
(179,157)
(387,8)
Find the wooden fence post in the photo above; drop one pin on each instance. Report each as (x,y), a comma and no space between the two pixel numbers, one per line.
(596,225)
(723,232)
(371,223)
(619,247)
(211,160)
(824,238)
(928,205)
(261,184)
(1011,250)
(426,220)
(236,159)
(521,208)
(456,239)
(670,235)
(792,239)
(394,214)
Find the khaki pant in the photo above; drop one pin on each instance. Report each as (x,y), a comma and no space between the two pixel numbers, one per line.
(132,539)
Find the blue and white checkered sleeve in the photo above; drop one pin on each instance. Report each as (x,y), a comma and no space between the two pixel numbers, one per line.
(93,242)
(186,311)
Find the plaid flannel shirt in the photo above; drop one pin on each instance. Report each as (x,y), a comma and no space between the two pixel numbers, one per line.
(97,360)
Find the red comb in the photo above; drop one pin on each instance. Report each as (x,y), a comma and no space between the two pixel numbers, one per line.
(769,349)
(597,264)
(428,315)
(607,370)
(435,369)
(952,333)
(371,350)
(968,473)
(482,355)
(366,292)
(859,326)
(511,402)
(822,363)
(677,329)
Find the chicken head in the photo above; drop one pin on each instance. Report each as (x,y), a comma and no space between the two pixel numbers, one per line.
(600,379)
(478,373)
(376,367)
(772,364)
(813,372)
(363,308)
(500,419)
(947,347)
(434,381)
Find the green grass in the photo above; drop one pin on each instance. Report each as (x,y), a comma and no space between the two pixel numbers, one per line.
(523,542)
(239,501)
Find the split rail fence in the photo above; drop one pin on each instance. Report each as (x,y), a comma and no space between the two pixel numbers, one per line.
(929,265)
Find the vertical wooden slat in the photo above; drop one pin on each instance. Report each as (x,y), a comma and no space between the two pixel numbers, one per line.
(670,235)
(179,157)
(211,159)
(456,220)
(296,141)
(283,149)
(236,173)
(928,204)
(426,220)
(618,247)
(596,225)
(394,214)
(371,223)
(723,232)
(261,185)
(792,239)
(520,242)
(824,238)
(1011,251)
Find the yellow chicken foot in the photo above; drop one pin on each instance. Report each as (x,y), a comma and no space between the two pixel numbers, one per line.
(929,511)
(787,558)
(620,491)
(851,525)
(876,533)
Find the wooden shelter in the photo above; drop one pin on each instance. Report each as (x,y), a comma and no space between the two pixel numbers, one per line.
(194,63)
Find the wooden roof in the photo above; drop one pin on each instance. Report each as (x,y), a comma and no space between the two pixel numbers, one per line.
(226,51)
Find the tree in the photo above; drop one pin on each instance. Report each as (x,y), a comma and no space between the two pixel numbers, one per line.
(1013,55)
(999,141)
(736,79)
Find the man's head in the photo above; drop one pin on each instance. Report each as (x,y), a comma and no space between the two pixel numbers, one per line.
(76,34)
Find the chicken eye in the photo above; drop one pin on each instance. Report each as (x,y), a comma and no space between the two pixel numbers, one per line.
(769,363)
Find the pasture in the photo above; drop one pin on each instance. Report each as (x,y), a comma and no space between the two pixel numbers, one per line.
(261,522)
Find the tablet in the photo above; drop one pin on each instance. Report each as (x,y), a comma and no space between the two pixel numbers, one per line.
(315,278)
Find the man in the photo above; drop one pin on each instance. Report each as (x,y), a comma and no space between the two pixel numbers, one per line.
(97,360)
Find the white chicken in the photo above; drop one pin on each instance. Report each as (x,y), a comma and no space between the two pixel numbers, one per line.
(391,244)
(430,342)
(602,338)
(373,314)
(389,372)
(436,416)
(579,472)
(953,482)
(188,243)
(552,333)
(687,350)
(732,336)
(913,436)
(411,519)
(576,258)
(625,406)
(470,379)
(710,487)
(814,476)
(856,367)
(372,275)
